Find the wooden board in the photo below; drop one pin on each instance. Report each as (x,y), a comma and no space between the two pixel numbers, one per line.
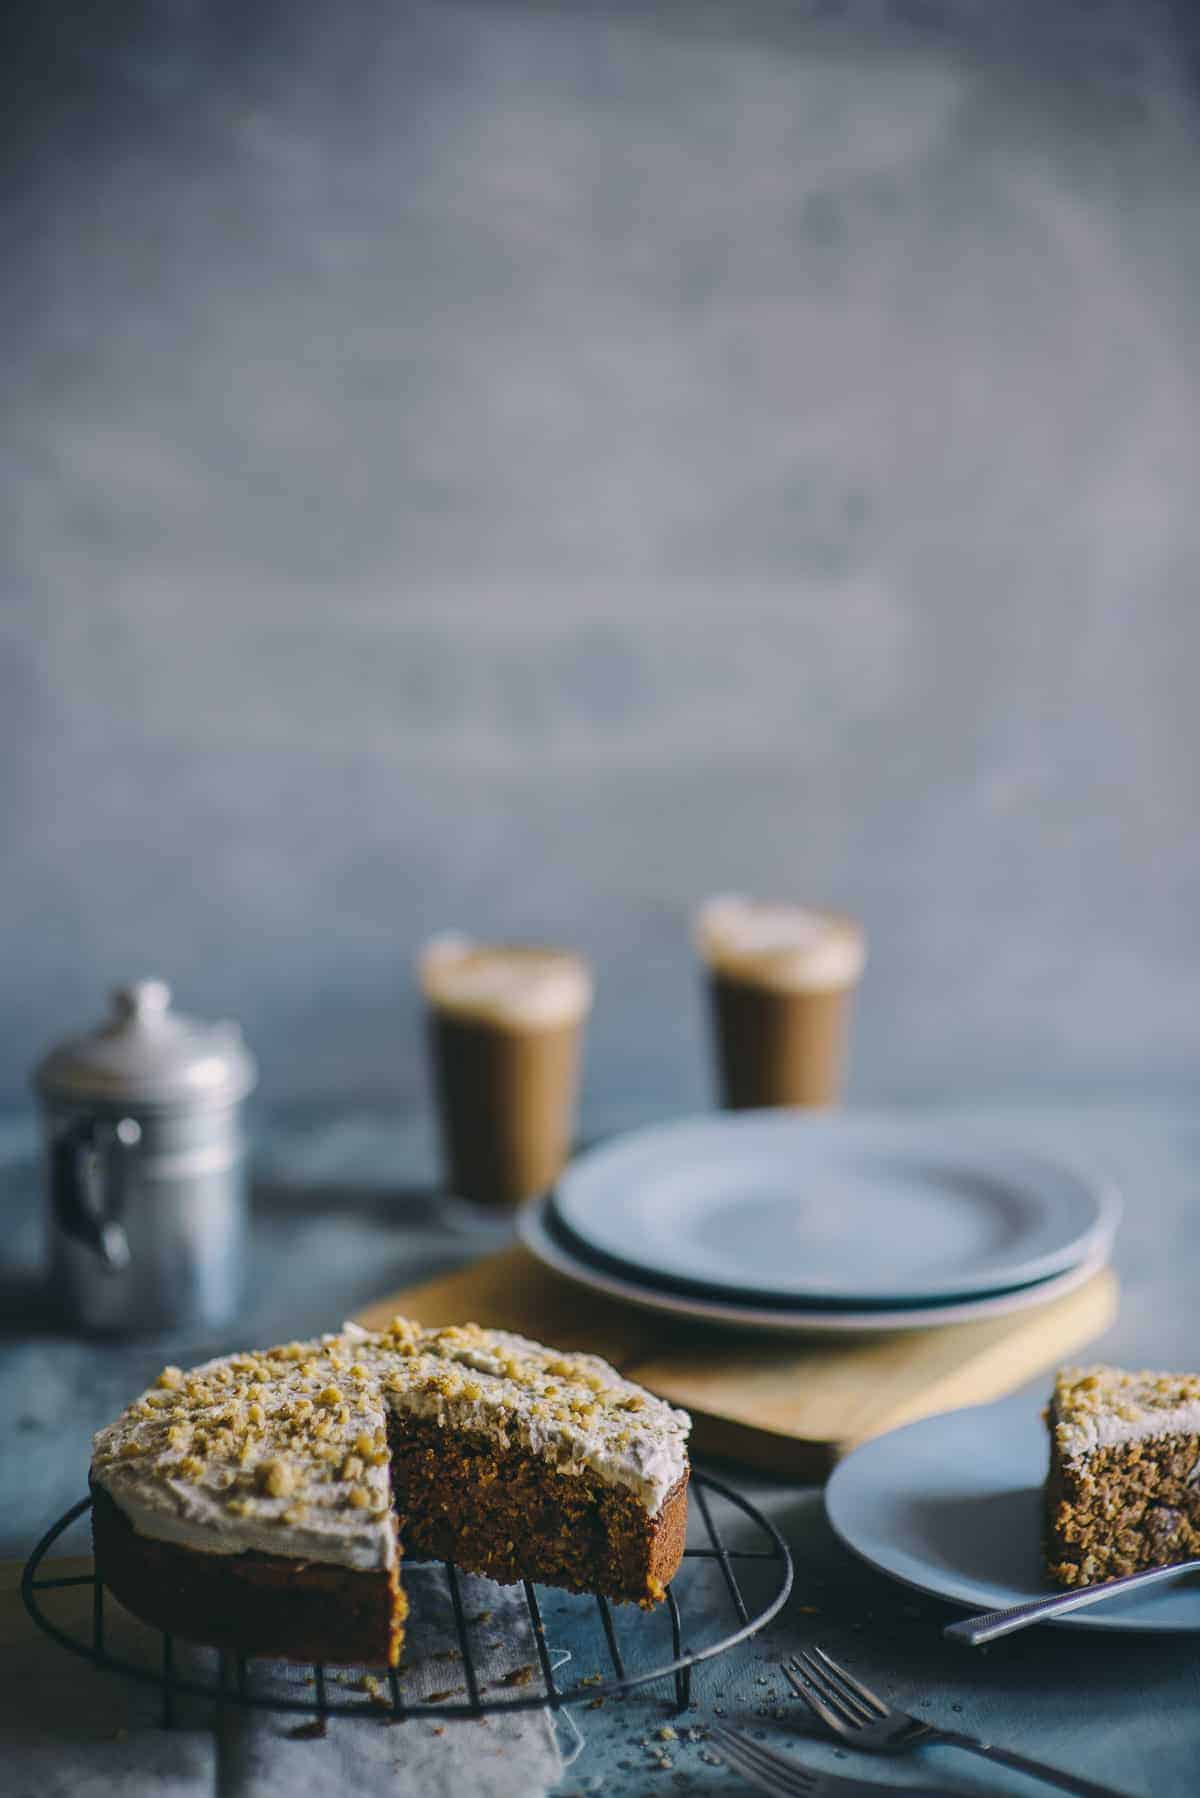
(786,1406)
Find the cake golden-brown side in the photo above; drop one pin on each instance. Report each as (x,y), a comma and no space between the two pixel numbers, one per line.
(251,1603)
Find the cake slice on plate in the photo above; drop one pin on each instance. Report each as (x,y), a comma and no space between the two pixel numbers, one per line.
(262,1502)
(1123,1491)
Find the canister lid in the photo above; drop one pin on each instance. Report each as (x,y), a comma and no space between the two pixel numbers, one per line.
(145,1054)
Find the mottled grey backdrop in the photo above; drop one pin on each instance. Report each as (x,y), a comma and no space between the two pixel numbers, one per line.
(523,467)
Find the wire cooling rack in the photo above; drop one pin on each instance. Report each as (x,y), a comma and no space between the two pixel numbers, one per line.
(233,1678)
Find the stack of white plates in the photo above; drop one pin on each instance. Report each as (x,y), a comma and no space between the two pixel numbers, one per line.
(819,1223)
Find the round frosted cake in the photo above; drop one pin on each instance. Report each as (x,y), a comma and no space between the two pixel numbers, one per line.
(262,1502)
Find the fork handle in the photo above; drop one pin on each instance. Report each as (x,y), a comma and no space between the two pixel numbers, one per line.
(990,1624)
(1053,1776)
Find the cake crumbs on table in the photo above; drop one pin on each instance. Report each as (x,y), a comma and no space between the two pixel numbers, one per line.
(308,1732)
(519,1676)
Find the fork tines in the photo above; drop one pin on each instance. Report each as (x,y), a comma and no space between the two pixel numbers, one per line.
(787,1779)
(840,1701)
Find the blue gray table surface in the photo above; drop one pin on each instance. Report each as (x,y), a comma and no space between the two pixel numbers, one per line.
(345,1208)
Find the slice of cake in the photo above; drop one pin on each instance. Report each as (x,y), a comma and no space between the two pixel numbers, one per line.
(1123,1491)
(262,1502)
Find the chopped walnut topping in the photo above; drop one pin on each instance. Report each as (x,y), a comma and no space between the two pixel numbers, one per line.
(307,1420)
(277,1478)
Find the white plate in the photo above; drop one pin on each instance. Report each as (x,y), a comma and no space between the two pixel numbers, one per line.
(952,1506)
(844,1208)
(535,1227)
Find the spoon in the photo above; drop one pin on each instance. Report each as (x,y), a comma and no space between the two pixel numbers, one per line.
(989,1624)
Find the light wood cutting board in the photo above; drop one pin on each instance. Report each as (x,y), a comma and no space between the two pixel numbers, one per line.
(787,1406)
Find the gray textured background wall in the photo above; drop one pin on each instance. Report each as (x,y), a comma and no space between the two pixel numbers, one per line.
(523,468)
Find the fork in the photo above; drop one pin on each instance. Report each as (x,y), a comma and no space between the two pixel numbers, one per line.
(781,1777)
(853,1712)
(990,1624)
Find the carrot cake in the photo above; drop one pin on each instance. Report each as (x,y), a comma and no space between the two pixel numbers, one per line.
(1123,1492)
(262,1502)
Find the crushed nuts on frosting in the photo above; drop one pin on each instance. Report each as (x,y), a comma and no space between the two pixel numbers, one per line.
(285,1450)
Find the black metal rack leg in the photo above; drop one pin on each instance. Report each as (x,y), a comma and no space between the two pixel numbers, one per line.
(168,1674)
(539,1637)
(683,1675)
(464,1641)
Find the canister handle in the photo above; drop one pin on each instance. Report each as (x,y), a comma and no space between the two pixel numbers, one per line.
(80,1182)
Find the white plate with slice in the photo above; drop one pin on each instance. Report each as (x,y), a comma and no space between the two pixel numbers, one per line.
(537,1229)
(953,1506)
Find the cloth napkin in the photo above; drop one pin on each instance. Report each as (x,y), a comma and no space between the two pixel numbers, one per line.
(68,1730)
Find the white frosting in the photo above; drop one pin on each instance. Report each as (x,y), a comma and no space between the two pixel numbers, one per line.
(506,985)
(1105,1407)
(780,945)
(194,1462)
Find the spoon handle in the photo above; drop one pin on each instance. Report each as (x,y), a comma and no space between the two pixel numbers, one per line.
(990,1624)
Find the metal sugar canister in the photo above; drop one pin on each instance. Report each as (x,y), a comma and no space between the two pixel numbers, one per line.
(145,1166)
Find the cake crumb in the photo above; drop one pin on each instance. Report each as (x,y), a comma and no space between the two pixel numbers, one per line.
(520,1676)
(308,1732)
